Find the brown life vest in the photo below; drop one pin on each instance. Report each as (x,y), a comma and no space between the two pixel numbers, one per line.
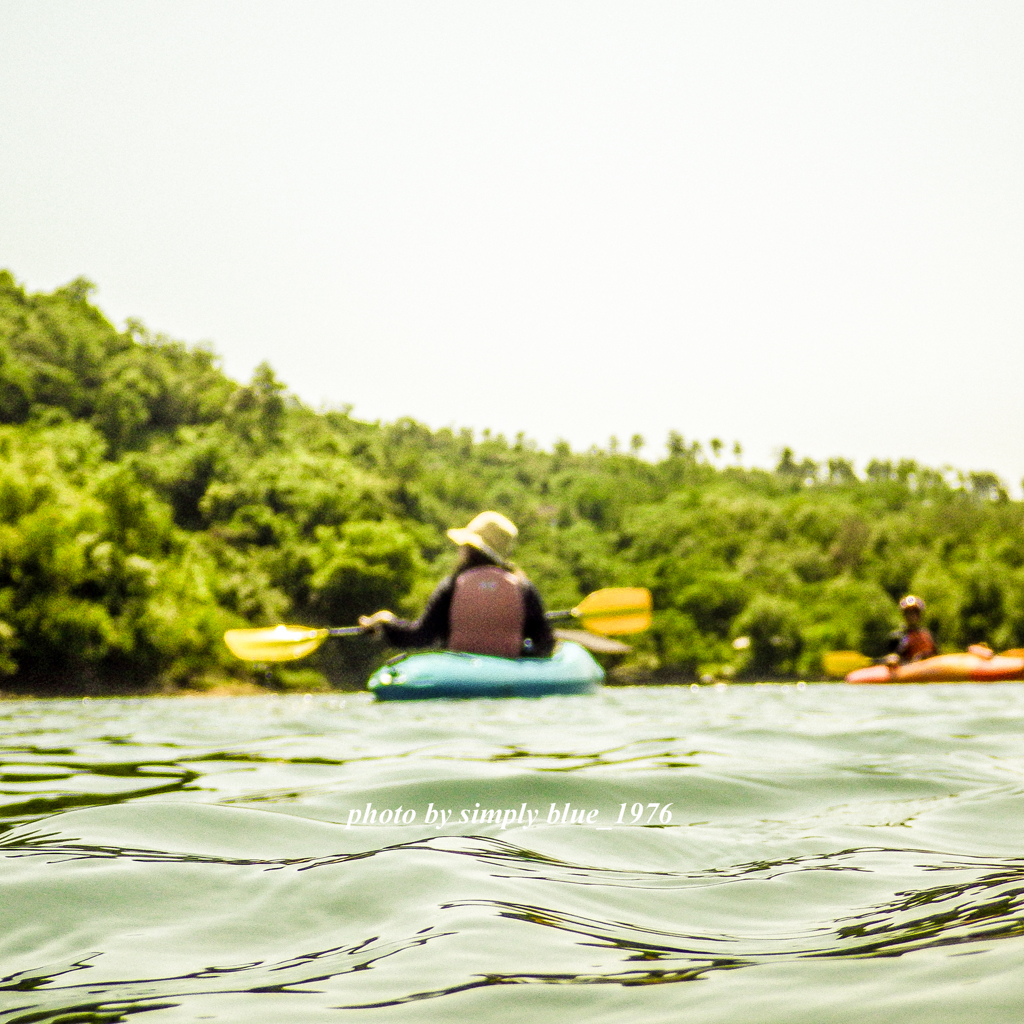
(487,613)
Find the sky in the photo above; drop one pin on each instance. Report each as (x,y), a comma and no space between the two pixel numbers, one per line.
(784,223)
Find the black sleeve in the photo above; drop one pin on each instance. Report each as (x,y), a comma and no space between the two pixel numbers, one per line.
(431,627)
(536,627)
(893,641)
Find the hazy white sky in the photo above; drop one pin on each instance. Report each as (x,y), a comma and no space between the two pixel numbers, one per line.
(787,223)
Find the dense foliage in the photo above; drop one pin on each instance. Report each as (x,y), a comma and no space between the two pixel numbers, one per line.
(147,503)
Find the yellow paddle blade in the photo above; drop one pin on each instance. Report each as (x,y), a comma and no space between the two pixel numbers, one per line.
(1016,652)
(274,643)
(615,610)
(842,663)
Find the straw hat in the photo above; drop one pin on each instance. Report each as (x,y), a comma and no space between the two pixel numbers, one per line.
(489,532)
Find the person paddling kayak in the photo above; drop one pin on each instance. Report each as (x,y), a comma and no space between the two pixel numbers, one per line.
(914,643)
(487,605)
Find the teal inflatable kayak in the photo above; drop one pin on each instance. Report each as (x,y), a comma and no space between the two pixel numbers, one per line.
(569,670)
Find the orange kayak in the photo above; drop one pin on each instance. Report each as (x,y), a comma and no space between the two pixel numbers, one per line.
(944,668)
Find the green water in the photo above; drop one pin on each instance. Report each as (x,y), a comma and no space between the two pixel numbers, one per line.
(761,853)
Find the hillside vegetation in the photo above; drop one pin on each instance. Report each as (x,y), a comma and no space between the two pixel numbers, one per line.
(148,503)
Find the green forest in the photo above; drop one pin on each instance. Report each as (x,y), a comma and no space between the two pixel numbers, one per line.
(148,503)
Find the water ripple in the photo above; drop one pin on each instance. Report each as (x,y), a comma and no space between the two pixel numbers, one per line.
(191,858)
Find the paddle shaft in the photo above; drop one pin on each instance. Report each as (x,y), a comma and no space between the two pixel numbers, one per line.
(599,644)
(559,616)
(357,630)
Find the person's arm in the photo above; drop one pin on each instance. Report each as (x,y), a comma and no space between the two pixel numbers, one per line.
(430,628)
(897,647)
(536,627)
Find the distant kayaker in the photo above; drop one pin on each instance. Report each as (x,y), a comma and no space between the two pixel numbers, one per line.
(914,642)
(487,605)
